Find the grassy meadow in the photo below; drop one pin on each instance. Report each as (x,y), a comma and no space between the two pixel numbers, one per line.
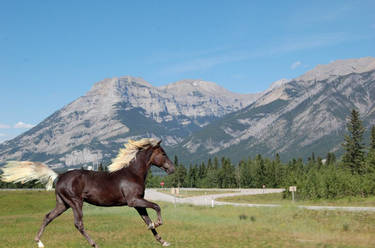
(21,214)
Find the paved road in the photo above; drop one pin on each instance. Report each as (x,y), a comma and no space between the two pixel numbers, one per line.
(208,200)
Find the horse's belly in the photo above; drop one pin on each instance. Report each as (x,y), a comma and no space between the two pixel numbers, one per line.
(105,198)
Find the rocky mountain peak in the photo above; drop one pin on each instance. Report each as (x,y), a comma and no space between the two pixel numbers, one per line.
(193,85)
(114,84)
(278,84)
(339,68)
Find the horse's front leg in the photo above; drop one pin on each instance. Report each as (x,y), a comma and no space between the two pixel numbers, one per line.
(143,213)
(142,203)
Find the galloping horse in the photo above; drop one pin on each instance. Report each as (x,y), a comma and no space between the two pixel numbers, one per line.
(124,184)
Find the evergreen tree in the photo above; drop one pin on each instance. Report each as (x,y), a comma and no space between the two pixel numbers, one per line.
(175,160)
(370,161)
(181,174)
(226,175)
(202,172)
(353,157)
(247,175)
(260,171)
(209,164)
(238,172)
(177,179)
(312,158)
(279,172)
(216,163)
(331,158)
(372,144)
(212,175)
(277,158)
(192,177)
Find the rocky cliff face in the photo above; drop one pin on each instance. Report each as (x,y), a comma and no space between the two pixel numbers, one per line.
(93,127)
(294,117)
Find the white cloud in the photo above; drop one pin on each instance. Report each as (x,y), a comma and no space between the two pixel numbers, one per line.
(295,65)
(4,126)
(21,124)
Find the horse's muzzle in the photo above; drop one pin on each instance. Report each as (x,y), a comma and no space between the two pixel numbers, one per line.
(170,170)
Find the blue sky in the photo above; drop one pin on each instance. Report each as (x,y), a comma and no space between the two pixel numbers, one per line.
(52,52)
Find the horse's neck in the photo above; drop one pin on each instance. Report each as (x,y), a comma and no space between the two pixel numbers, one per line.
(140,164)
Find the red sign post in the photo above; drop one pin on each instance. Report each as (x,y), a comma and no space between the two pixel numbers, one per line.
(162,184)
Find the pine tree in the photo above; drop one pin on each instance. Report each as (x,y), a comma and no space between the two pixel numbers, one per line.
(331,158)
(178,178)
(209,164)
(212,175)
(192,176)
(181,174)
(353,157)
(260,171)
(175,160)
(216,163)
(279,171)
(247,175)
(277,158)
(228,172)
(238,172)
(371,155)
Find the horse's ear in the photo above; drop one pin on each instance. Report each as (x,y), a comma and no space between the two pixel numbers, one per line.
(158,144)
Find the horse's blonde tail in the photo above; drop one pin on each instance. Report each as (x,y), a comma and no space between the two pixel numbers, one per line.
(25,171)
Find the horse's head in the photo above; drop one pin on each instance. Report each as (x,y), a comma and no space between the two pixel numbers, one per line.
(160,159)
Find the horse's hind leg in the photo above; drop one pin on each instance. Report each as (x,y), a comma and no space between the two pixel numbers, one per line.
(60,208)
(143,213)
(78,222)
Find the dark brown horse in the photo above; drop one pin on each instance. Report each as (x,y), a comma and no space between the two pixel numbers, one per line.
(123,185)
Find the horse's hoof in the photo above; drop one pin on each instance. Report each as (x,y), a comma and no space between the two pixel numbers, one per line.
(166,243)
(40,244)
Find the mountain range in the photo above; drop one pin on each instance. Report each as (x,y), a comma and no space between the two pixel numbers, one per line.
(198,119)
(92,128)
(294,117)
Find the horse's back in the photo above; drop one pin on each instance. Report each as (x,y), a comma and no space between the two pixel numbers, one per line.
(70,182)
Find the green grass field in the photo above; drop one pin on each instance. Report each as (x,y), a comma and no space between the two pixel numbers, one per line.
(277,198)
(21,214)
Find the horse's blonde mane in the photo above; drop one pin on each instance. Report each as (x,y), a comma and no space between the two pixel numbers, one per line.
(127,154)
